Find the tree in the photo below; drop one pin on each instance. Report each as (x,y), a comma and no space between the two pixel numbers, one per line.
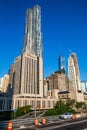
(70,103)
(59,104)
(60,107)
(80,105)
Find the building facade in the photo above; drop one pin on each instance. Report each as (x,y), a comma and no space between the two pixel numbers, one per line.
(57,81)
(73,71)
(1,84)
(62,63)
(74,76)
(84,86)
(5,102)
(27,72)
(33,35)
(26,76)
(5,85)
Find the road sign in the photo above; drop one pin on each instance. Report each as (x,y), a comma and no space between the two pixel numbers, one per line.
(15,110)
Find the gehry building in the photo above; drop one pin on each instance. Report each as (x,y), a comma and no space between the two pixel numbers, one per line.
(33,36)
(26,74)
(27,71)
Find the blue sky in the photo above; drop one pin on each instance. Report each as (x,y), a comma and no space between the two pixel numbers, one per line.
(64,25)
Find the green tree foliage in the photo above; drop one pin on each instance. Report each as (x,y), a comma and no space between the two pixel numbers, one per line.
(70,103)
(59,104)
(61,107)
(22,110)
(7,115)
(80,105)
(51,112)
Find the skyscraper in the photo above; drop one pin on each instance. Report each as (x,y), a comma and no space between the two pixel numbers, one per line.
(74,73)
(33,35)
(27,71)
(62,63)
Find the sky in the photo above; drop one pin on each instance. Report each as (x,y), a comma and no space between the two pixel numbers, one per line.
(63,23)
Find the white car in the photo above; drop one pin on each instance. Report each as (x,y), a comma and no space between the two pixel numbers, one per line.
(66,116)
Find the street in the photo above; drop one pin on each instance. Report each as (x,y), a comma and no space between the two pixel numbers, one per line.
(59,125)
(79,126)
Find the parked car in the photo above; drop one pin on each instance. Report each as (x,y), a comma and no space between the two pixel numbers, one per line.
(66,115)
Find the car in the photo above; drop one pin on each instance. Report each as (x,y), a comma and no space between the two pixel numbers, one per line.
(66,115)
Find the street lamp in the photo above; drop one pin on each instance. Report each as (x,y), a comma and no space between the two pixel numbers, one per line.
(35,101)
(35,105)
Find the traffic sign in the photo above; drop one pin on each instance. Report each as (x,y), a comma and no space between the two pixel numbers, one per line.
(15,110)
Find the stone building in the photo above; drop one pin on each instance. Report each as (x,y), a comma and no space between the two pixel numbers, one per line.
(5,85)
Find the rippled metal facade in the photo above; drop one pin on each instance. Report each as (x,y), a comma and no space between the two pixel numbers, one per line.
(33,35)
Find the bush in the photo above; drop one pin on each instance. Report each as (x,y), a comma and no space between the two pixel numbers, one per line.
(51,112)
(7,115)
(22,110)
(71,111)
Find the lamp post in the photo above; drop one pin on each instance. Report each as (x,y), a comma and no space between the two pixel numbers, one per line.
(35,105)
(35,101)
(36,119)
